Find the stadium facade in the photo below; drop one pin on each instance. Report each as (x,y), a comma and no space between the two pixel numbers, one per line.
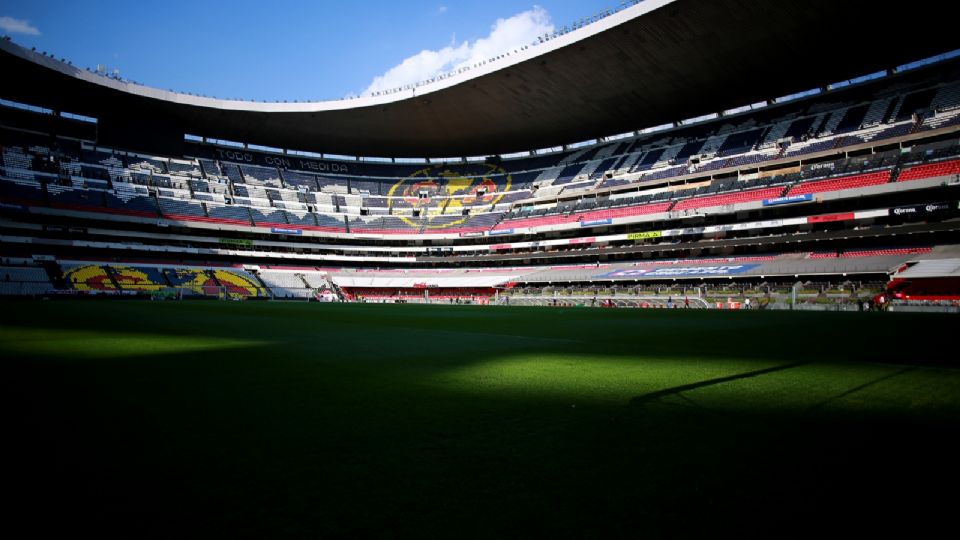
(846,187)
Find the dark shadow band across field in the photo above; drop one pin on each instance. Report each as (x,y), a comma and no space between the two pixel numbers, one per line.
(672,391)
(143,419)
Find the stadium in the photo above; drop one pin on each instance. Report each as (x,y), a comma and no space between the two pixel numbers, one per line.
(688,267)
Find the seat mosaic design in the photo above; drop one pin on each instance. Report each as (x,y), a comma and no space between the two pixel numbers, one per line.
(233,283)
(131,278)
(88,277)
(441,191)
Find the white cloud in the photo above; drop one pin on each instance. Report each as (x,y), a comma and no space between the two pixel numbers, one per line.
(505,35)
(441,10)
(17,26)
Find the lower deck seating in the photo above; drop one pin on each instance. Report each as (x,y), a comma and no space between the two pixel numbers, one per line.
(214,282)
(869,253)
(836,184)
(930,170)
(386,293)
(559,219)
(542,221)
(238,282)
(139,278)
(625,211)
(24,281)
(87,277)
(729,198)
(286,284)
(93,277)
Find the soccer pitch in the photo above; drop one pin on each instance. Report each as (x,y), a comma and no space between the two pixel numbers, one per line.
(172,419)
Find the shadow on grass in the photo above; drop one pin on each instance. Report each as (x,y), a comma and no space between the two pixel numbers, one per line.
(861,387)
(465,334)
(676,390)
(274,441)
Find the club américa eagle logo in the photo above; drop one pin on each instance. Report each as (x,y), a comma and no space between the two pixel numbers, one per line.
(432,187)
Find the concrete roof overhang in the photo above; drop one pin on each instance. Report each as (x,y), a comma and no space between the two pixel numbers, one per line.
(652,63)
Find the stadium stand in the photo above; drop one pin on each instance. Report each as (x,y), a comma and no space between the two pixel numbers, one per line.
(946,168)
(256,186)
(24,280)
(286,284)
(837,184)
(728,198)
(695,192)
(88,277)
(138,278)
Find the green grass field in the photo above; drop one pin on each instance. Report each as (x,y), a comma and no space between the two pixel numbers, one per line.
(172,419)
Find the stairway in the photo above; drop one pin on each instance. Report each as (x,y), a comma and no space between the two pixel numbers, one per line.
(112,275)
(894,174)
(304,280)
(166,279)
(336,290)
(213,277)
(55,274)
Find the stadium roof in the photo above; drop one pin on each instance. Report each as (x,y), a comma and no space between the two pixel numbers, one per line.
(652,63)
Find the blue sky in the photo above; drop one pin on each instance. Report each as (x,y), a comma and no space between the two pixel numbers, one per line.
(282,49)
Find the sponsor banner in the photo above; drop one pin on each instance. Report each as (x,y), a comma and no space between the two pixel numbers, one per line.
(497,247)
(71,230)
(595,222)
(905,210)
(500,232)
(919,209)
(759,224)
(871,214)
(588,240)
(830,218)
(745,226)
(791,199)
(242,242)
(284,230)
(471,234)
(683,271)
(644,235)
(240,155)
